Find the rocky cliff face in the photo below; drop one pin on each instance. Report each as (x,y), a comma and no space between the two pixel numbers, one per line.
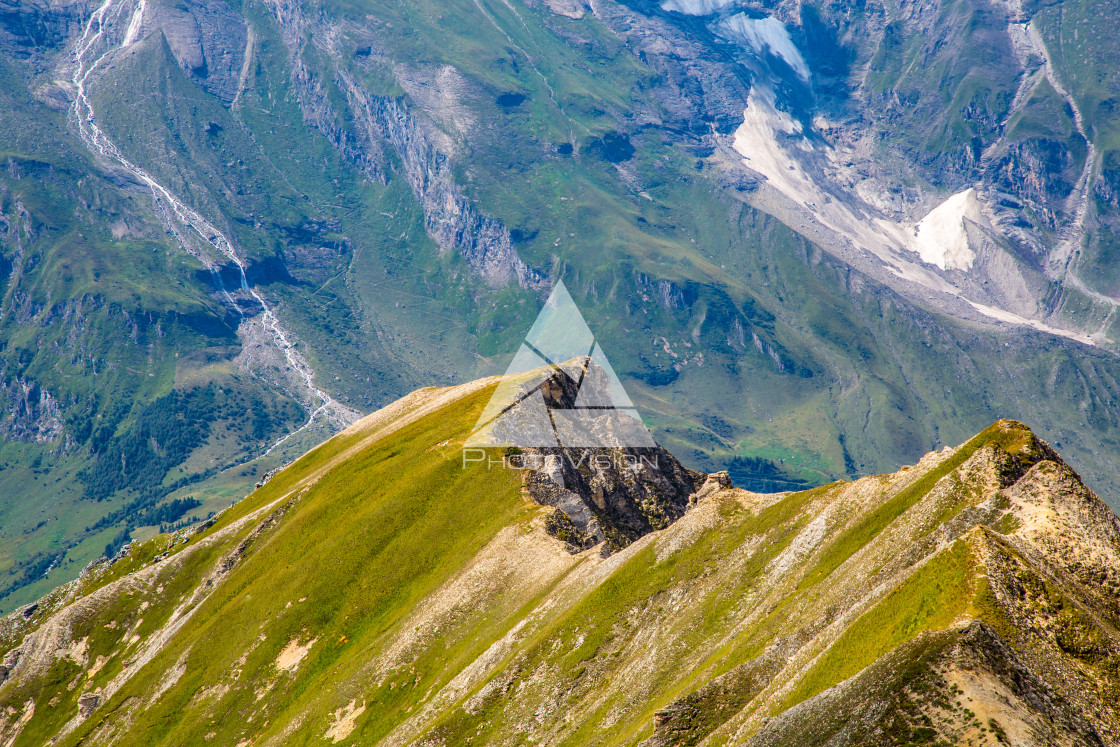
(450,219)
(27,27)
(29,412)
(609,497)
(603,496)
(370,127)
(384,590)
(208,39)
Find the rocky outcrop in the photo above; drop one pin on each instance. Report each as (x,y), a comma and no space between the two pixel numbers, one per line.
(207,38)
(450,219)
(952,687)
(372,126)
(1038,176)
(28,412)
(610,495)
(603,495)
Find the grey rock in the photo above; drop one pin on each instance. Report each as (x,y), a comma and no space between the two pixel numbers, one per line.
(207,38)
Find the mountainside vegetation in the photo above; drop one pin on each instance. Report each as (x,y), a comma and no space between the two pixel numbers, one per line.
(381,590)
(215,215)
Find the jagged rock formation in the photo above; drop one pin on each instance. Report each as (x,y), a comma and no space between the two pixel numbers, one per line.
(613,496)
(603,495)
(27,413)
(383,590)
(609,496)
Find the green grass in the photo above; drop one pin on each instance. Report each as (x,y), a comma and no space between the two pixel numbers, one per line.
(371,538)
(1012,438)
(929,600)
(594,634)
(1044,115)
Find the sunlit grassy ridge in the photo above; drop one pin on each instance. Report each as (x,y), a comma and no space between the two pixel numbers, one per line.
(931,599)
(370,539)
(378,591)
(1016,440)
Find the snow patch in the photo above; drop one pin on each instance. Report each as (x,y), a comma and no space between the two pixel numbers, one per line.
(695,7)
(941,237)
(761,34)
(135,24)
(774,145)
(1015,319)
(757,141)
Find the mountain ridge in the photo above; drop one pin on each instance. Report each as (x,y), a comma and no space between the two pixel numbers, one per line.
(346,601)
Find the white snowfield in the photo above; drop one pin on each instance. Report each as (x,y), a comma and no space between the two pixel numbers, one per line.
(775,145)
(941,238)
(134,26)
(762,34)
(757,141)
(695,7)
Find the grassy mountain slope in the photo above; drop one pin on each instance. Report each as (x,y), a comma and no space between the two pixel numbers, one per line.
(369,161)
(378,591)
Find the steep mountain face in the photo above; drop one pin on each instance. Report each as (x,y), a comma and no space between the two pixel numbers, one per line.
(383,590)
(817,239)
(973,102)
